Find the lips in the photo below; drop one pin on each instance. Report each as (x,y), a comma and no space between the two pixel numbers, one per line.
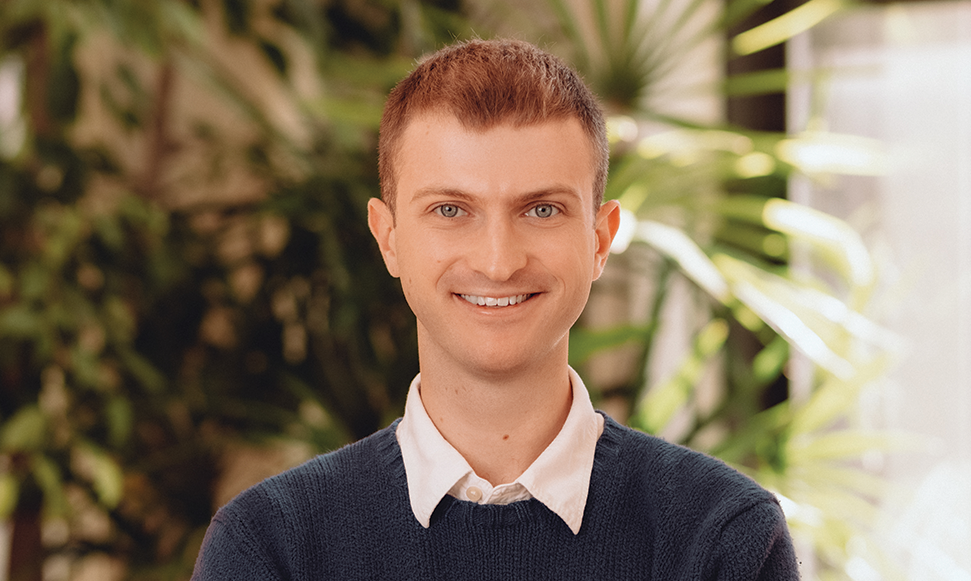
(483,301)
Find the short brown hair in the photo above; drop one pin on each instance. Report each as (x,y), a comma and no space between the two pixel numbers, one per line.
(487,82)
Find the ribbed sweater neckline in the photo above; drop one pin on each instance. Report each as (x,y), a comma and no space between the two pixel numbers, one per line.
(388,454)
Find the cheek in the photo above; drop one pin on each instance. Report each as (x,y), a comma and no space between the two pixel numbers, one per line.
(581,263)
(430,258)
(421,272)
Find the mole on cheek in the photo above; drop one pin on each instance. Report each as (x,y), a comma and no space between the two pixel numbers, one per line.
(506,437)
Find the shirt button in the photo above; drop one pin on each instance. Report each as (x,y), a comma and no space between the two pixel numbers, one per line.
(474,493)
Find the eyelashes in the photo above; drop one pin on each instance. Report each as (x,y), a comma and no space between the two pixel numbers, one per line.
(538,211)
(543,211)
(449,211)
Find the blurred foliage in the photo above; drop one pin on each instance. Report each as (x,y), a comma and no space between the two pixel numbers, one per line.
(743,329)
(185,263)
(185,266)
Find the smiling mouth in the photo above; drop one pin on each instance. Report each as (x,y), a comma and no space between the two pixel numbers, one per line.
(497,301)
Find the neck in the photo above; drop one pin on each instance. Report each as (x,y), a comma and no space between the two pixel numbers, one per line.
(500,423)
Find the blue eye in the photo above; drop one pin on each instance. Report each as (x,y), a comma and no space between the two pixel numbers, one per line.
(448,210)
(543,211)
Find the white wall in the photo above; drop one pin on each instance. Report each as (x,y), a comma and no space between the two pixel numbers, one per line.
(904,77)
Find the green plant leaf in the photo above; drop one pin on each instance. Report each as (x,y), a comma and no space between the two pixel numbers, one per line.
(35,280)
(752,436)
(839,506)
(20,321)
(846,444)
(769,362)
(850,479)
(26,430)
(64,85)
(568,21)
(9,494)
(826,234)
(675,244)
(810,320)
(815,153)
(50,480)
(142,370)
(7,282)
(738,10)
(105,474)
(830,400)
(782,28)
(585,342)
(119,419)
(757,83)
(350,110)
(663,401)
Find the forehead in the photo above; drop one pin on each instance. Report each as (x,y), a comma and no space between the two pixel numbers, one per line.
(438,151)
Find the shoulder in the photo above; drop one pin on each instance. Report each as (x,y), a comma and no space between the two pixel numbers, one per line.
(329,488)
(695,508)
(273,527)
(675,470)
(372,461)
(674,487)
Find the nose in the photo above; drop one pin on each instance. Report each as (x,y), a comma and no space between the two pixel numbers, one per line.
(500,251)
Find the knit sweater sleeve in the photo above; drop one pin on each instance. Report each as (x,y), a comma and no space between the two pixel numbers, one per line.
(233,549)
(710,522)
(316,521)
(755,546)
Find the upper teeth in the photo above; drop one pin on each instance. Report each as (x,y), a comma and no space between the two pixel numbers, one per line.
(495,301)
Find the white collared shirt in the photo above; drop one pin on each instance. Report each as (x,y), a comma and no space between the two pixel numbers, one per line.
(559,477)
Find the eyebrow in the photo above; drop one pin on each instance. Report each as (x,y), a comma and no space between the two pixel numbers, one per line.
(526,198)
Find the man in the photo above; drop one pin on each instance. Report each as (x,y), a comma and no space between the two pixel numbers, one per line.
(493,159)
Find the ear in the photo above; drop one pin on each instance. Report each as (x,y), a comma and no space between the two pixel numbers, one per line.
(381,222)
(607,223)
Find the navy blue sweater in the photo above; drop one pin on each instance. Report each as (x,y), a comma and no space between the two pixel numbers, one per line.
(655,511)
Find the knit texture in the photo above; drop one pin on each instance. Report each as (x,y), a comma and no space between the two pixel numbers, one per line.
(655,511)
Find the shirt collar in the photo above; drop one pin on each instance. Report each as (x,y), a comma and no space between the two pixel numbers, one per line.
(559,477)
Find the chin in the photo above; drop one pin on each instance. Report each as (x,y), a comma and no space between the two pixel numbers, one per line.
(505,361)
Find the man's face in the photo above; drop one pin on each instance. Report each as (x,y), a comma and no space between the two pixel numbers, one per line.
(495,239)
